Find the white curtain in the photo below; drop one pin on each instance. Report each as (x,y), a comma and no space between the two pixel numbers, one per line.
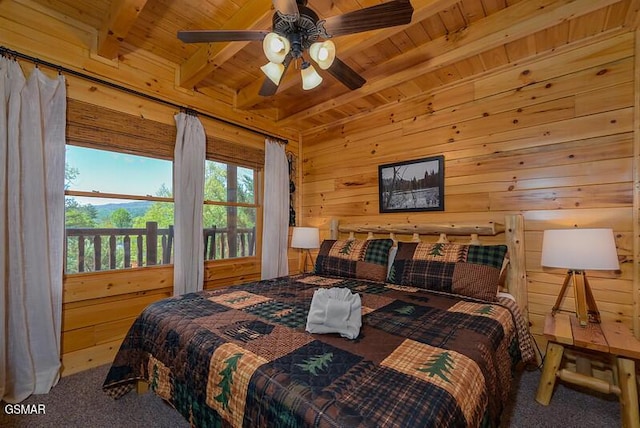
(275,224)
(32,150)
(188,191)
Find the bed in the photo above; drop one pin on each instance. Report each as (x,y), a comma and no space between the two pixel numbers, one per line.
(443,356)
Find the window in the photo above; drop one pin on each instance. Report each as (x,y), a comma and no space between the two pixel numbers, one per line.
(230,211)
(118,210)
(101,179)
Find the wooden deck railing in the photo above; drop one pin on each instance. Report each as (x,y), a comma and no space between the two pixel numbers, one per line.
(217,244)
(95,249)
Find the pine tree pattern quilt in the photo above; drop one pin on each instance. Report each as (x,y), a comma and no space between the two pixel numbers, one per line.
(240,356)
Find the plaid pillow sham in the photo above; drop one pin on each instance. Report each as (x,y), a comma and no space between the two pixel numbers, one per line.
(354,258)
(469,270)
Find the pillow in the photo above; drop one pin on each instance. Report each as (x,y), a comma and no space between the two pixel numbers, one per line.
(468,270)
(354,258)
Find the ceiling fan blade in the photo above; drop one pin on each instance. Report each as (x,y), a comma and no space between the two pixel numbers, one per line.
(286,7)
(346,75)
(206,36)
(384,15)
(269,88)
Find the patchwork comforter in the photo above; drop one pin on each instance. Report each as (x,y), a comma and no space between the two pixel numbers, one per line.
(240,356)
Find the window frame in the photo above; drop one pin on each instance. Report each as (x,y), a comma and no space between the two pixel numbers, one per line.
(257,205)
(159,261)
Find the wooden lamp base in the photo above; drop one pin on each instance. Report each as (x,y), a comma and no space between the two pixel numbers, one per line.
(307,256)
(586,309)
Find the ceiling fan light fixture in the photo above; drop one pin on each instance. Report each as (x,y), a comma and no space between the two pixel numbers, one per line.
(273,71)
(275,47)
(323,53)
(310,77)
(296,27)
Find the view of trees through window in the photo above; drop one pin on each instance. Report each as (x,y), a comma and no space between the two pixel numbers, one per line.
(119,211)
(230,210)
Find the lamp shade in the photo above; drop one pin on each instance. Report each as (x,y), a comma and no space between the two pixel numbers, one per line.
(580,249)
(275,47)
(323,53)
(273,71)
(305,237)
(310,77)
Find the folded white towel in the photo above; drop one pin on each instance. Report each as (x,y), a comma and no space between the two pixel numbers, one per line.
(335,310)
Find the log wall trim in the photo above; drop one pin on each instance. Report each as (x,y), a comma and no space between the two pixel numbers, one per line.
(487,229)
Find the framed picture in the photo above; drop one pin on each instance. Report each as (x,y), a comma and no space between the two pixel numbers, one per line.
(416,185)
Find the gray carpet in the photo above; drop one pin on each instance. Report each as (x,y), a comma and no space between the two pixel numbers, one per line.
(78,401)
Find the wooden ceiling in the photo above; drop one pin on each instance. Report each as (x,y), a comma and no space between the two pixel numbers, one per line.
(448,41)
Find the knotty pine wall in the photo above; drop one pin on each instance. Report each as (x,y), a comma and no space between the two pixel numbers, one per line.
(552,139)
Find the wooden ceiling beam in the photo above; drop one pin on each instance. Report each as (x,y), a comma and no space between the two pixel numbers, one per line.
(249,97)
(254,14)
(512,23)
(116,26)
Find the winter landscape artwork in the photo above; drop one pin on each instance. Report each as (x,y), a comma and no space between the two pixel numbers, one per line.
(415,185)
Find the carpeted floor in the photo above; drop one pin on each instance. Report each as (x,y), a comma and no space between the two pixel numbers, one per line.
(78,401)
(570,407)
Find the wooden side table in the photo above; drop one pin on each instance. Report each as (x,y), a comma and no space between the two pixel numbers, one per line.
(613,339)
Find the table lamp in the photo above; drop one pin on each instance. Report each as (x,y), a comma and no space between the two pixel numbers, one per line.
(578,250)
(306,238)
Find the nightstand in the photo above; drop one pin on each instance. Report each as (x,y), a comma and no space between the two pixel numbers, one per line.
(613,339)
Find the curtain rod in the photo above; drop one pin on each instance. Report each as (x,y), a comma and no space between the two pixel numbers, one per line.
(4,51)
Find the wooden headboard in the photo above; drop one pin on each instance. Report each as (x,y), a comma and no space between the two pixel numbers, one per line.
(512,230)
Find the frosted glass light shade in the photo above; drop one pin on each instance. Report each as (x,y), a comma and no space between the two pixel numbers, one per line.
(323,53)
(580,249)
(273,71)
(305,237)
(275,47)
(310,77)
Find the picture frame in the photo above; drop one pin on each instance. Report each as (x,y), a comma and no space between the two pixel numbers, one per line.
(410,186)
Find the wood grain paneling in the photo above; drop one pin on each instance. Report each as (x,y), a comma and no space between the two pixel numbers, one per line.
(99,308)
(551,138)
(97,285)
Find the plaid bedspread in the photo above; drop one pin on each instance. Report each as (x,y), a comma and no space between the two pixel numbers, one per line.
(240,356)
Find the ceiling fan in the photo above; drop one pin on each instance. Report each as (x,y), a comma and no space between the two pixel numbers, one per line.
(297,28)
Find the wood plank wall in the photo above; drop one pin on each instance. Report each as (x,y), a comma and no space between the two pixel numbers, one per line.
(552,138)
